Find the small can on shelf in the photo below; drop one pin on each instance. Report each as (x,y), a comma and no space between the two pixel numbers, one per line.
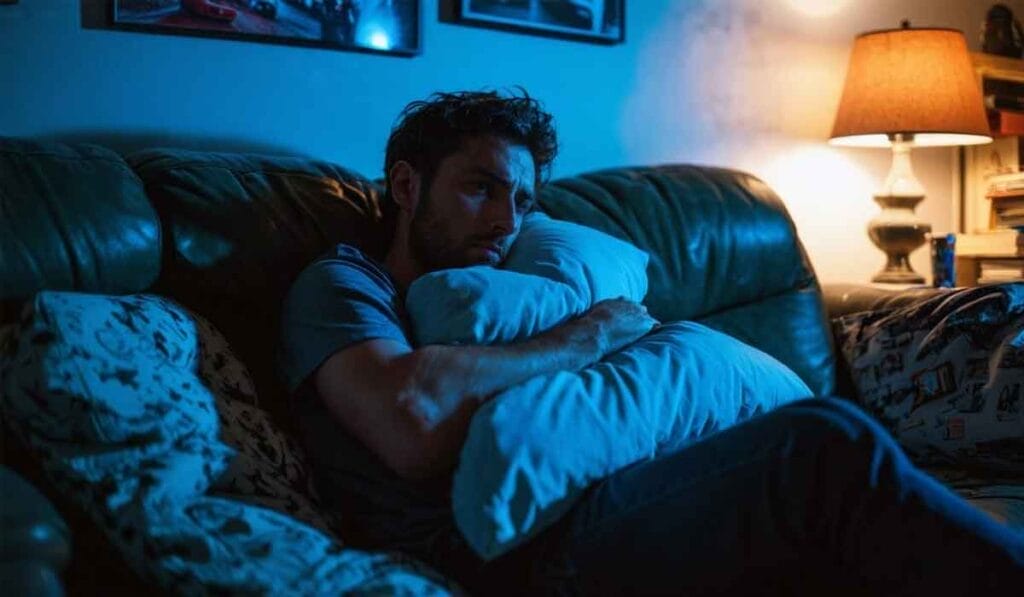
(943,261)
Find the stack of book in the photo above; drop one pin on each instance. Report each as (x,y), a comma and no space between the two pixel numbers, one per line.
(994,271)
(1006,192)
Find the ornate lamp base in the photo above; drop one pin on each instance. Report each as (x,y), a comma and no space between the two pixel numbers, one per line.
(897,232)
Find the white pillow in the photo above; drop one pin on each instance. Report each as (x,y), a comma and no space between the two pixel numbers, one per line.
(482,305)
(555,270)
(596,265)
(535,447)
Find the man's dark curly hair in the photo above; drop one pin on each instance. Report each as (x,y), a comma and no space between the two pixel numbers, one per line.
(428,131)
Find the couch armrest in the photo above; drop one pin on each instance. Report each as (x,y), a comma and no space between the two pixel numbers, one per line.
(35,544)
(841,299)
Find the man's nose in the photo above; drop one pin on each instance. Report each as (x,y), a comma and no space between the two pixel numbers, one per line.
(504,218)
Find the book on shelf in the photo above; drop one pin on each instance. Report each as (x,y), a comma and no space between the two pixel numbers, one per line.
(1008,216)
(1010,102)
(1000,270)
(1006,182)
(1005,122)
(997,243)
(1007,209)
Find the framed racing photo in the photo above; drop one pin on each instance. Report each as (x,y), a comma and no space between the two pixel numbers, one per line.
(597,21)
(378,26)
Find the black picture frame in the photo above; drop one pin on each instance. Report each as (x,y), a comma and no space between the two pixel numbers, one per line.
(594,21)
(390,27)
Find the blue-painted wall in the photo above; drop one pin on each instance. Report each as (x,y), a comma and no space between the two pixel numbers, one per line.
(62,79)
(740,83)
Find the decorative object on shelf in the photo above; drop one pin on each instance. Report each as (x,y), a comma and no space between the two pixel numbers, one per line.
(391,27)
(907,87)
(597,21)
(1001,33)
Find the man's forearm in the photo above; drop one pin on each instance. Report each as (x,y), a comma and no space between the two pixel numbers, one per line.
(446,376)
(447,384)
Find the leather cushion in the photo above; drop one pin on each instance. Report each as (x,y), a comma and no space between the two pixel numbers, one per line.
(72,218)
(842,299)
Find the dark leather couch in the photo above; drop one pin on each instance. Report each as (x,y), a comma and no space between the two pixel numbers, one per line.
(225,234)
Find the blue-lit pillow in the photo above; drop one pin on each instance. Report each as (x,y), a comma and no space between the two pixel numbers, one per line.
(483,305)
(597,266)
(555,270)
(534,448)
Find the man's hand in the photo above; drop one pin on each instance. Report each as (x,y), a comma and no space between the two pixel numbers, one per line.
(432,396)
(620,322)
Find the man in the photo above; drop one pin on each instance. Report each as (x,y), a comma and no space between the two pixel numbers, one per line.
(812,496)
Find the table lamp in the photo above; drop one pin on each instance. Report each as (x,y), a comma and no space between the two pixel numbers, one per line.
(907,87)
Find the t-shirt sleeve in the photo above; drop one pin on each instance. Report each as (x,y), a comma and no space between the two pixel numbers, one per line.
(335,302)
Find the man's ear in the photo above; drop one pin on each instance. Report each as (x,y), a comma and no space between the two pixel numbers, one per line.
(405,186)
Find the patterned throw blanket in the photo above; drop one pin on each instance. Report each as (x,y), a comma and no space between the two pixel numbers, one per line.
(141,414)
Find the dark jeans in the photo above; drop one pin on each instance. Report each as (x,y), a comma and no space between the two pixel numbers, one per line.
(812,497)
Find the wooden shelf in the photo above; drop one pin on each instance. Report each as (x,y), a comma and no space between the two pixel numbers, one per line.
(1006,155)
(991,66)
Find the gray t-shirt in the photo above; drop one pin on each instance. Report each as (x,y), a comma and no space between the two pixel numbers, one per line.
(341,299)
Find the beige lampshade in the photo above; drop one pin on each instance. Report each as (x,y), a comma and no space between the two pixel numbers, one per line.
(918,81)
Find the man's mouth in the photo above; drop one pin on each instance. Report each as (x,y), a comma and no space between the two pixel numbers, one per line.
(491,247)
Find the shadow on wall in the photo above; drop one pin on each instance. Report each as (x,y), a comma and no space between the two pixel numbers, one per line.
(126,143)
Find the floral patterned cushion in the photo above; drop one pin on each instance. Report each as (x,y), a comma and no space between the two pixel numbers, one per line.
(219,368)
(142,416)
(946,375)
(269,468)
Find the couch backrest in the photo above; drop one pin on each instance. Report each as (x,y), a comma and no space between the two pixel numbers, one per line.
(232,231)
(238,229)
(723,249)
(72,218)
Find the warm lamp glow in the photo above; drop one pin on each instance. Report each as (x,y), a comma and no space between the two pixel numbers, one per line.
(907,87)
(819,8)
(920,140)
(910,81)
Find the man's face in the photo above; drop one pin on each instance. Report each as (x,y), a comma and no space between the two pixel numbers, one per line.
(472,211)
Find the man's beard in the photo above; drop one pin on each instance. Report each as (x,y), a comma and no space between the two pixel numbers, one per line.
(431,245)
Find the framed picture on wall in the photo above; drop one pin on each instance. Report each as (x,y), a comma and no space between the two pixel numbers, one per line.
(378,26)
(597,21)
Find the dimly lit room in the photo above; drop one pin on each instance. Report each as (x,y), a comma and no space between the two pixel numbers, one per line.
(511,297)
